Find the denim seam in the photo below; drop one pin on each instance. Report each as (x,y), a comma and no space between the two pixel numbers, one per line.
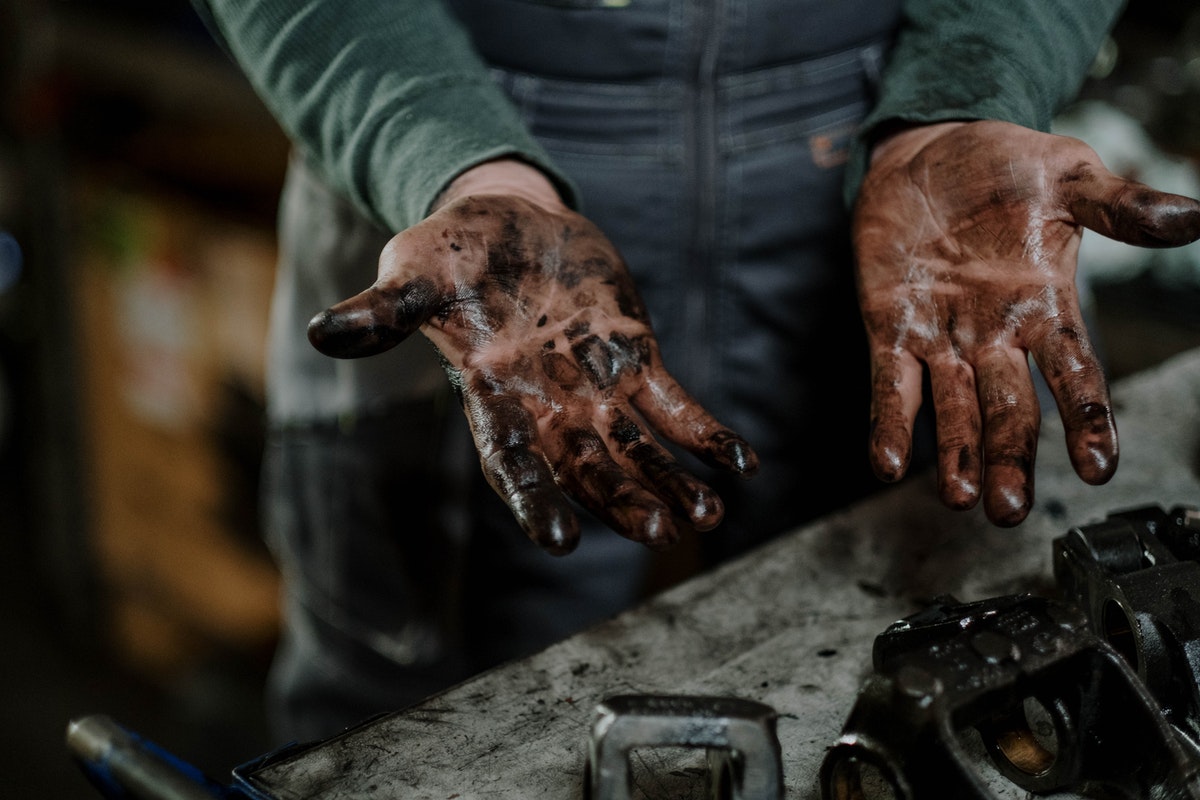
(795,131)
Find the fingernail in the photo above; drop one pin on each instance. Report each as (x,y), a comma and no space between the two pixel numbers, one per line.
(318,329)
(1009,506)
(351,333)
(742,457)
(1103,465)
(890,464)
(1182,222)
(335,335)
(959,493)
(657,530)
(708,511)
(557,534)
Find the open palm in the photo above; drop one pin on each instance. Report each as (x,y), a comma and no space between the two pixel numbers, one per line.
(547,340)
(966,236)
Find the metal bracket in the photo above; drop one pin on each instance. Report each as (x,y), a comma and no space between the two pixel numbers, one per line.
(744,754)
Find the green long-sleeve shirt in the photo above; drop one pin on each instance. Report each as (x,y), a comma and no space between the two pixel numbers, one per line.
(389,100)
(1018,61)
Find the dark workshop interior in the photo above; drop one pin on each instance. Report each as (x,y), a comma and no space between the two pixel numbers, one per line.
(138,182)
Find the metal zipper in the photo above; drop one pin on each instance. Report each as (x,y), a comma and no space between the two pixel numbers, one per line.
(704,153)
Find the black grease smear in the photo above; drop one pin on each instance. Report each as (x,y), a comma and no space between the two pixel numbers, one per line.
(390,316)
(562,370)
(663,472)
(507,262)
(965,458)
(631,353)
(606,362)
(629,302)
(1143,218)
(734,449)
(1018,461)
(595,359)
(582,442)
(573,271)
(624,430)
(507,266)
(1095,417)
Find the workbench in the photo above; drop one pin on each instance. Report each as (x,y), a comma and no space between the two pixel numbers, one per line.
(790,624)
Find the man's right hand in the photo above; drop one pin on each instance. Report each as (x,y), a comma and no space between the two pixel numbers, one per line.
(546,337)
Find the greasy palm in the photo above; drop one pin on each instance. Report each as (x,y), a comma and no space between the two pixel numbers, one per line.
(547,340)
(966,237)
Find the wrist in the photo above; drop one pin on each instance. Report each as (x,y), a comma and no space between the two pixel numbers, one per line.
(504,176)
(905,140)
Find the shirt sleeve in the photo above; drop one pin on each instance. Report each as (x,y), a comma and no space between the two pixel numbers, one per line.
(387,99)
(1018,61)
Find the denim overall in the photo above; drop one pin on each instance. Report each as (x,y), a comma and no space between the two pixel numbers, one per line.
(707,138)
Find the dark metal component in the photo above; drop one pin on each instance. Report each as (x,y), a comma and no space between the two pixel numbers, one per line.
(1056,708)
(744,753)
(123,766)
(1136,577)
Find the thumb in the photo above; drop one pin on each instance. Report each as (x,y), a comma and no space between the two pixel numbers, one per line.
(375,320)
(1129,211)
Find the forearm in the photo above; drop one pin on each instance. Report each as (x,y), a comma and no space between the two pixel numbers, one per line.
(1020,61)
(387,99)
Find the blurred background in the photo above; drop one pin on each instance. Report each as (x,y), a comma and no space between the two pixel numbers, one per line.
(138,182)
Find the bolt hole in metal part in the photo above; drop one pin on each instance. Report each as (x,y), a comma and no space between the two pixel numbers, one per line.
(685,773)
(1028,738)
(654,741)
(855,778)
(678,772)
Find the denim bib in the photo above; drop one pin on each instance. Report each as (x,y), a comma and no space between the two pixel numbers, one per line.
(708,139)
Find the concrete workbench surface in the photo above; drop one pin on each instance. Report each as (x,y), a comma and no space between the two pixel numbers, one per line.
(791,625)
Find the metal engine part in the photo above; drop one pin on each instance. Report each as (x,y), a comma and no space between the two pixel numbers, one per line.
(1056,708)
(1136,577)
(744,754)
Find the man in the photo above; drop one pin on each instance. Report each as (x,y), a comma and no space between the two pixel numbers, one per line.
(569,197)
